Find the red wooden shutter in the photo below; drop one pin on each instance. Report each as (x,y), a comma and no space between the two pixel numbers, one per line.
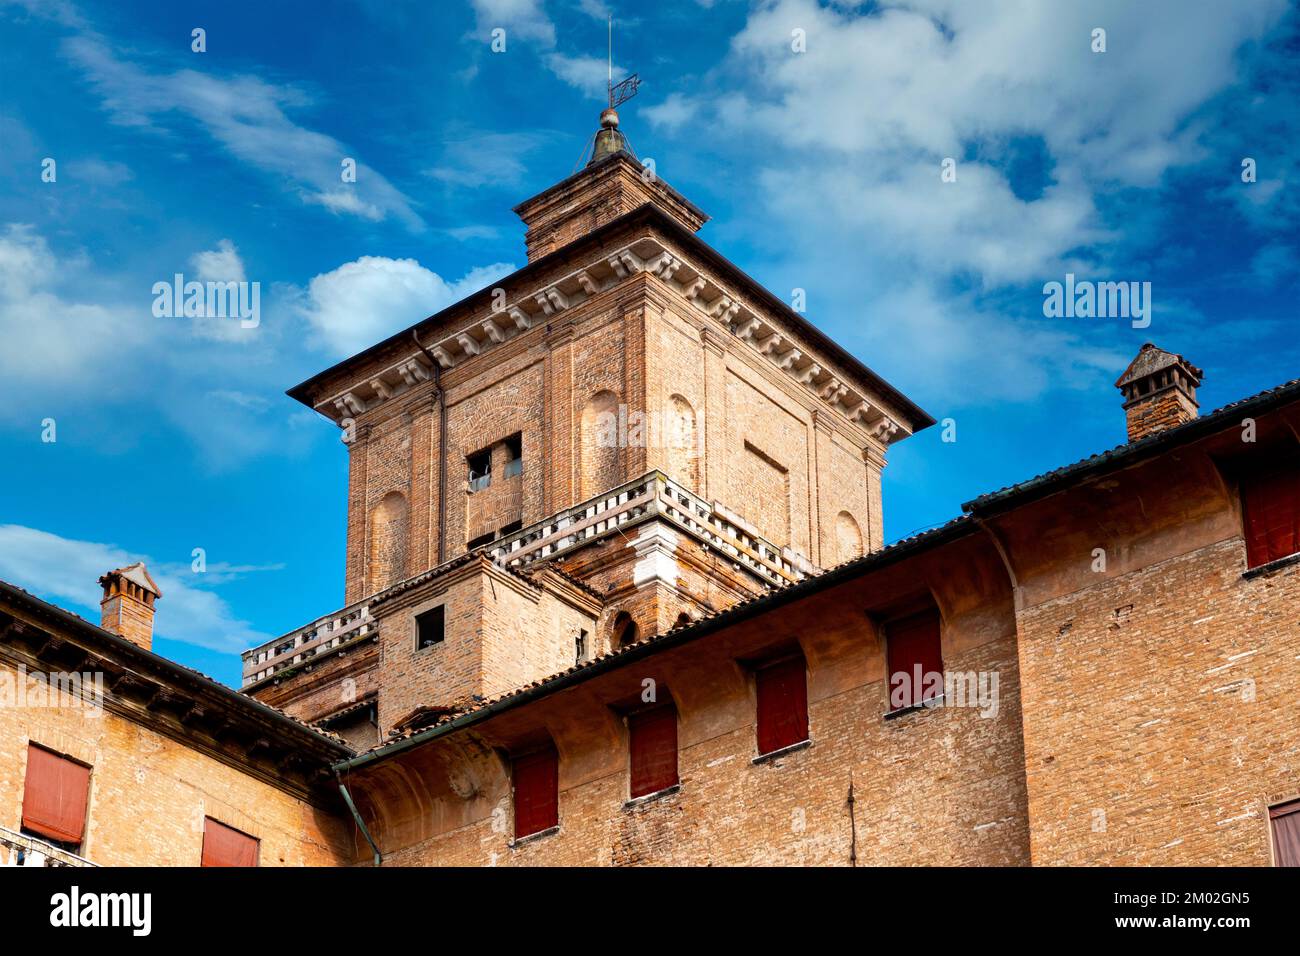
(909,642)
(1286,833)
(652,738)
(226,846)
(782,705)
(54,799)
(537,792)
(1270,501)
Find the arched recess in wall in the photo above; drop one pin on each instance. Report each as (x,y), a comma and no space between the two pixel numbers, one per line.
(388,534)
(680,439)
(848,538)
(598,466)
(623,631)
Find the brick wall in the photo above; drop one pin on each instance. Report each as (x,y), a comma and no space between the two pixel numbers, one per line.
(322,686)
(632,378)
(1154,413)
(939,786)
(570,210)
(1161,714)
(500,632)
(149,793)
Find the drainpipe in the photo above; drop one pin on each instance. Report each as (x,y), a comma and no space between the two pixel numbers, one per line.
(347,798)
(442,445)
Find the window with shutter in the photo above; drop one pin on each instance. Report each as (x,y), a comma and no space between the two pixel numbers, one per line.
(226,846)
(1270,505)
(782,705)
(536,779)
(652,740)
(55,796)
(913,648)
(1286,833)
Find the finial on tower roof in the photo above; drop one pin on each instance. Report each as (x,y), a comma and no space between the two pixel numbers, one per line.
(608,139)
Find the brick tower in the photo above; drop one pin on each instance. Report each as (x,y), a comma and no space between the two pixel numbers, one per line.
(626,433)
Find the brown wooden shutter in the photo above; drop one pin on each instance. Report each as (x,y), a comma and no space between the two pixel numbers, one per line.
(537,799)
(913,642)
(1286,833)
(1270,504)
(226,846)
(652,739)
(55,795)
(782,705)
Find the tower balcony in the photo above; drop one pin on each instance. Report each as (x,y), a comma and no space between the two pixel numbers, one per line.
(652,496)
(302,644)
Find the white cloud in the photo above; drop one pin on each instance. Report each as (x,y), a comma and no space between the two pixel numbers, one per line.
(471,160)
(344,199)
(1275,262)
(97,172)
(927,76)
(931,338)
(362,302)
(590,74)
(67,570)
(675,111)
(527,20)
(88,350)
(845,142)
(522,19)
(598,9)
(55,345)
(221,264)
(248,117)
(475,231)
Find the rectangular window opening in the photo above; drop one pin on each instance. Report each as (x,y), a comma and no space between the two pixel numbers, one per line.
(514,455)
(480,469)
(481,540)
(430,627)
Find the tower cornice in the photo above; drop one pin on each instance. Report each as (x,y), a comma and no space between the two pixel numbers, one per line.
(647,243)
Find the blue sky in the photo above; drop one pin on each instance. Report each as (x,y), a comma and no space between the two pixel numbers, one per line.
(821,169)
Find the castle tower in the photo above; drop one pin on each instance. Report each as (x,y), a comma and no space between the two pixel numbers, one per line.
(629,410)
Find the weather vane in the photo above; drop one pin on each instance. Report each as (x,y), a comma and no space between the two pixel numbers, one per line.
(625,90)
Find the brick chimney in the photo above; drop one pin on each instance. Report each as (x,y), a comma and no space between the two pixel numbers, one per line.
(127,606)
(1159,391)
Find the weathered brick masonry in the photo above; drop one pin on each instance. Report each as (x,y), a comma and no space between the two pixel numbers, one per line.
(628,477)
(166,747)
